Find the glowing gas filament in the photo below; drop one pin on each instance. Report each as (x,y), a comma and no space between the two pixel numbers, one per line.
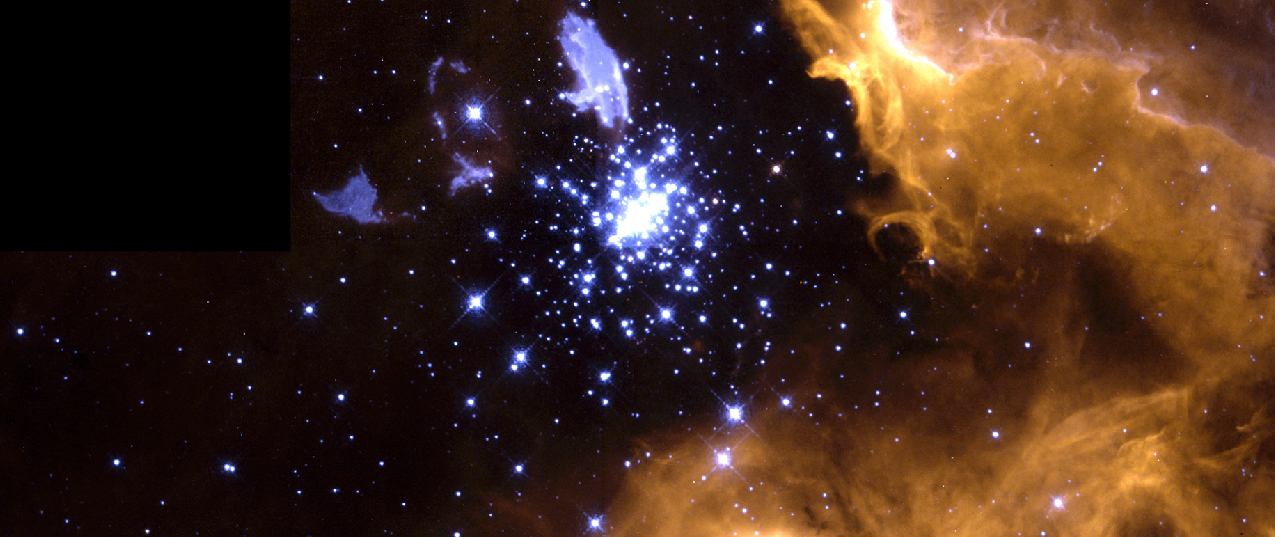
(890,31)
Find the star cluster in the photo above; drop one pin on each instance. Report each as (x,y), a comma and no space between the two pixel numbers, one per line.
(612,270)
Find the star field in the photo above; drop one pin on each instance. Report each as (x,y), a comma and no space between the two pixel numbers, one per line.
(630,269)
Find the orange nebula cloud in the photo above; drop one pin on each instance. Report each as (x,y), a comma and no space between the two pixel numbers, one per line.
(1095,183)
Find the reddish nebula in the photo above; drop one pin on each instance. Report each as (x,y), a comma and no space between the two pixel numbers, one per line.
(1089,190)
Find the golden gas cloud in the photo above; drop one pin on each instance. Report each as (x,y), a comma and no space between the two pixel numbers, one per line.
(1096,180)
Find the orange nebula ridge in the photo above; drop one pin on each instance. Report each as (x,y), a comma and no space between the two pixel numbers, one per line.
(1092,178)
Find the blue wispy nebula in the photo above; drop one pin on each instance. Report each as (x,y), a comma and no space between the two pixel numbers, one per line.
(599,81)
(357,200)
